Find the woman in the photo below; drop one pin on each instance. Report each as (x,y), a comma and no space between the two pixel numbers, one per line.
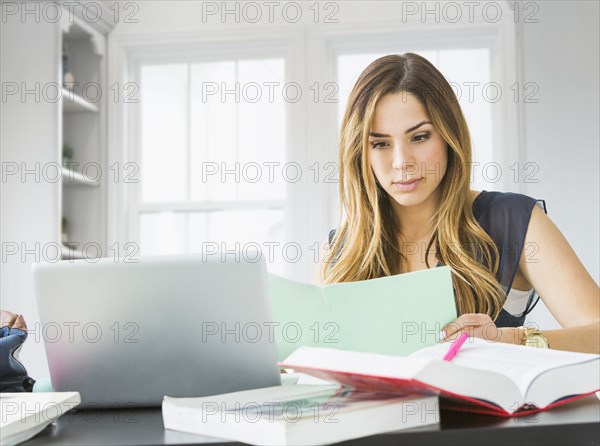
(405,158)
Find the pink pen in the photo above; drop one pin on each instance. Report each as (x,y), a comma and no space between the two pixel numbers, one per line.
(455,347)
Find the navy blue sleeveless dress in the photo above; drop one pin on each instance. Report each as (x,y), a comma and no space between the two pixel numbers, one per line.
(505,217)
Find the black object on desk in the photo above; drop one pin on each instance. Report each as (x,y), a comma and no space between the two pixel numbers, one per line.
(576,423)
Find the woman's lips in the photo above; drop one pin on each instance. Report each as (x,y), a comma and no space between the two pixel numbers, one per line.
(407,186)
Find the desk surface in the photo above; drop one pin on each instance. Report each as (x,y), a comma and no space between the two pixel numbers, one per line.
(575,423)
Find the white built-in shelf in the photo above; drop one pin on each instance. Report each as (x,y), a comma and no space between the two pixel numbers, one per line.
(74,103)
(72,178)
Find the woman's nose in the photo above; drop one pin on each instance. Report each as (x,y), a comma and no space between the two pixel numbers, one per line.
(402,158)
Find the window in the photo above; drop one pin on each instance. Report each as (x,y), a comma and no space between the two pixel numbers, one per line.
(211,136)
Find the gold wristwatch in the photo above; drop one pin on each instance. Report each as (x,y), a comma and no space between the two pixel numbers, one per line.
(533,338)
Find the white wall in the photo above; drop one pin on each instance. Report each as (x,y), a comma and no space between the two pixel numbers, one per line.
(28,206)
(560,132)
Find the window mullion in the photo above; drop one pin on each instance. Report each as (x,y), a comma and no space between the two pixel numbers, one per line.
(188,155)
(237,127)
(188,149)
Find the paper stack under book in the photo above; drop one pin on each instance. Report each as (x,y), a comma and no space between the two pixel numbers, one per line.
(301,414)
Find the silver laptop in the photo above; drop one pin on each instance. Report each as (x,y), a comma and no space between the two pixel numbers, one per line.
(126,334)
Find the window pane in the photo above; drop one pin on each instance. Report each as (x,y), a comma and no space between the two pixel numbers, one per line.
(162,233)
(164,132)
(213,131)
(238,130)
(469,71)
(229,227)
(262,129)
(243,230)
(166,233)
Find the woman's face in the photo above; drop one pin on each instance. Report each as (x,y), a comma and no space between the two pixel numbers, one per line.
(407,154)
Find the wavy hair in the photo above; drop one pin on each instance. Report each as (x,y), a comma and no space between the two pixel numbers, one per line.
(366,245)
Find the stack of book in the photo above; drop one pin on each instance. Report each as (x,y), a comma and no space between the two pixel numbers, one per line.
(302,414)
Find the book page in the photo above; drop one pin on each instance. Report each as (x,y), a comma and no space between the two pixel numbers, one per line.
(355,363)
(521,364)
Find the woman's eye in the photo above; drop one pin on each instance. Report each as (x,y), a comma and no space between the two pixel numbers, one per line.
(378,145)
(421,137)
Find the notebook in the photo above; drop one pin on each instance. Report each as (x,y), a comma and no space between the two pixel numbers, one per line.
(484,377)
(393,315)
(298,414)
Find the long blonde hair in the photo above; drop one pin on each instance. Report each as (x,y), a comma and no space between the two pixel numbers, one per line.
(366,244)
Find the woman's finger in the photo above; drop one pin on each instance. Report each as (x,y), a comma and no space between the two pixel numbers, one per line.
(465,323)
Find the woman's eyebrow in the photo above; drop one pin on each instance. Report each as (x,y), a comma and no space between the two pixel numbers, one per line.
(414,127)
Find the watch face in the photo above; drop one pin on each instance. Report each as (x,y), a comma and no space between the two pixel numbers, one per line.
(536,341)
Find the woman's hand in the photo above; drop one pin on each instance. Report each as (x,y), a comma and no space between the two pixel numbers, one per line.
(482,326)
(11,320)
(13,332)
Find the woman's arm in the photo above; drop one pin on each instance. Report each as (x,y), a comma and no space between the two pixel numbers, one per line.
(562,282)
(564,285)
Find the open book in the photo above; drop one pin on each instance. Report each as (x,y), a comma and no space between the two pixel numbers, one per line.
(393,315)
(300,414)
(487,377)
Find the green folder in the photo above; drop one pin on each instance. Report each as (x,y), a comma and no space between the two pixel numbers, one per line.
(394,315)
